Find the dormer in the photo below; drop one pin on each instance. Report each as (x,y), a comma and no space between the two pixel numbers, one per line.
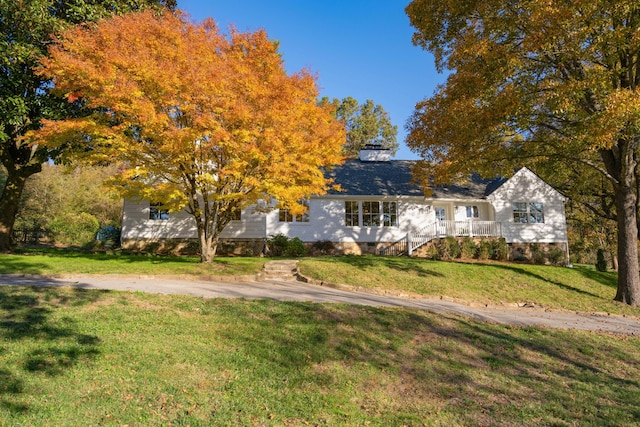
(374,153)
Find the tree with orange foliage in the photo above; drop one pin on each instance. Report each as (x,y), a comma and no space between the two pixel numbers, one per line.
(204,121)
(538,83)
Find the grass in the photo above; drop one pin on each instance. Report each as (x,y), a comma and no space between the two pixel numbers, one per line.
(83,357)
(65,261)
(581,288)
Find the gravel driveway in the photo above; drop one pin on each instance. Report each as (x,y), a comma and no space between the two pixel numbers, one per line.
(281,290)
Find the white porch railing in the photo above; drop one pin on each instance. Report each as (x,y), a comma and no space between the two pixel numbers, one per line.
(440,229)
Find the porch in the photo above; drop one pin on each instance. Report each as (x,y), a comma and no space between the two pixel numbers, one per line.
(440,229)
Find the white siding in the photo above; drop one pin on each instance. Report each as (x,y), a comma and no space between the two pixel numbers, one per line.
(137,225)
(525,186)
(181,225)
(327,217)
(327,222)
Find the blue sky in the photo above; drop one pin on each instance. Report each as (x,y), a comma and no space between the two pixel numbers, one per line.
(358,48)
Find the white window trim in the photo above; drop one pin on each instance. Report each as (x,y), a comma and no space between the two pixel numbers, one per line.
(527,213)
(163,214)
(305,217)
(381,213)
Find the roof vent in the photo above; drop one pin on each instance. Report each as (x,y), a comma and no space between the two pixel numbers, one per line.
(374,153)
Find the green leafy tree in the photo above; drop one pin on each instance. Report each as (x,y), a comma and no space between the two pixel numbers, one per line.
(534,82)
(27,28)
(57,197)
(365,124)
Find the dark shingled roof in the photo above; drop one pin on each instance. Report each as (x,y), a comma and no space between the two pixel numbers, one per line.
(393,178)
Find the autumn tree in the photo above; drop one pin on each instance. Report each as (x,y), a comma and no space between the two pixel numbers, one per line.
(205,121)
(535,81)
(26,28)
(365,124)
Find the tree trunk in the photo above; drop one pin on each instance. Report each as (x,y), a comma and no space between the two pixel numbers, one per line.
(628,274)
(208,242)
(208,252)
(621,163)
(10,202)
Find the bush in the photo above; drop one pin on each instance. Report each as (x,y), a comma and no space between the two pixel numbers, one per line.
(432,252)
(555,256)
(296,248)
(74,228)
(109,236)
(448,249)
(537,255)
(281,245)
(278,244)
(601,261)
(468,248)
(500,250)
(485,250)
(323,247)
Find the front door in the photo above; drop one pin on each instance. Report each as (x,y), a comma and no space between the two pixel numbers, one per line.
(441,217)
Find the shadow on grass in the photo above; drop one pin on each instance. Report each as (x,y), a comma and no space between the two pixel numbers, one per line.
(407,265)
(504,375)
(107,256)
(525,272)
(609,279)
(27,314)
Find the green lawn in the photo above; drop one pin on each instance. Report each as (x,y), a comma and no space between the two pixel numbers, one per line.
(64,261)
(77,357)
(581,288)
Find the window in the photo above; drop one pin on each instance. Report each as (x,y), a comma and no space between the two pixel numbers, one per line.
(285,215)
(157,213)
(535,213)
(351,214)
(472,211)
(371,214)
(440,214)
(390,214)
(528,212)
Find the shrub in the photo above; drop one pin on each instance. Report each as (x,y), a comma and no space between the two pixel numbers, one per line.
(151,247)
(278,244)
(109,236)
(74,228)
(485,250)
(448,249)
(296,248)
(555,256)
(468,248)
(323,247)
(601,261)
(537,255)
(500,250)
(281,245)
(432,252)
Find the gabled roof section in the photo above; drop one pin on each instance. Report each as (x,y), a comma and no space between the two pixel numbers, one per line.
(394,178)
(524,180)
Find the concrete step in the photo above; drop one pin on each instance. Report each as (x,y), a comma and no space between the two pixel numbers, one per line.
(280,270)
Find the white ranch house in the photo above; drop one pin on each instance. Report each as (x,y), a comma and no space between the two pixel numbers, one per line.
(380,210)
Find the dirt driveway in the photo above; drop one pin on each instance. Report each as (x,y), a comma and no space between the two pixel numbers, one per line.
(283,290)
